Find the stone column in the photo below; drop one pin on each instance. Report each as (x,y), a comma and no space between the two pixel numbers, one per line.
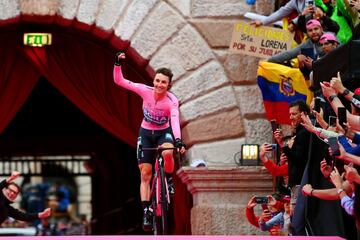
(220,196)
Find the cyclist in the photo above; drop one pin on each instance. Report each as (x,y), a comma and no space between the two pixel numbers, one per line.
(158,128)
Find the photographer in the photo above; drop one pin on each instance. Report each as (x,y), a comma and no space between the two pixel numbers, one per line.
(276,215)
(273,169)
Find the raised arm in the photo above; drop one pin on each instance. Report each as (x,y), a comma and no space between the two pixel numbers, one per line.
(335,103)
(119,78)
(281,13)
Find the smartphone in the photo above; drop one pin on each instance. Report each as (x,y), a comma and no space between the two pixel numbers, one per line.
(309,52)
(342,116)
(274,125)
(334,145)
(329,161)
(332,121)
(317,105)
(264,206)
(261,200)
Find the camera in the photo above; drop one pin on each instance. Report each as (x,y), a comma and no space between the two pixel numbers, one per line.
(310,2)
(261,200)
(273,146)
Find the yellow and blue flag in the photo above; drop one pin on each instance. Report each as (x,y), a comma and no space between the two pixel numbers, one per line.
(281,85)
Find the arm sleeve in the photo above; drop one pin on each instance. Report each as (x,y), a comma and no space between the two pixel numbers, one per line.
(356,102)
(175,122)
(330,25)
(326,133)
(348,148)
(348,204)
(299,151)
(356,139)
(19,215)
(276,170)
(281,13)
(286,56)
(250,215)
(122,82)
(3,184)
(301,24)
(276,220)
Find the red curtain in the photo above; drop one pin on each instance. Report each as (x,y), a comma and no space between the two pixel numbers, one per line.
(82,71)
(17,80)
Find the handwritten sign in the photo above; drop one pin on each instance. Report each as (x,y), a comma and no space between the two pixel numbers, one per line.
(261,41)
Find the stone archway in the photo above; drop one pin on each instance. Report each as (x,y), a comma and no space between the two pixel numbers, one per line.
(221,107)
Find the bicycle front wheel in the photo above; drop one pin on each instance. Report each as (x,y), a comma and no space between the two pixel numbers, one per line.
(164,203)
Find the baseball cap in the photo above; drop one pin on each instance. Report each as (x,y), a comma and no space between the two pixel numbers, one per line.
(311,23)
(357,91)
(328,37)
(285,199)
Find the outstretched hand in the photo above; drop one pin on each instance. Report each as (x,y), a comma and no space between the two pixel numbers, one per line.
(327,89)
(256,23)
(180,145)
(14,175)
(44,214)
(336,84)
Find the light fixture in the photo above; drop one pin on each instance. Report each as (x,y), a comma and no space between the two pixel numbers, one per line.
(249,155)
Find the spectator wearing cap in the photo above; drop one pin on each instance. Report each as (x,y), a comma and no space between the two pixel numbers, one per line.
(277,221)
(314,31)
(328,42)
(312,12)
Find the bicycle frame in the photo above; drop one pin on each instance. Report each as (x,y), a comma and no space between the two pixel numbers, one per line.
(160,197)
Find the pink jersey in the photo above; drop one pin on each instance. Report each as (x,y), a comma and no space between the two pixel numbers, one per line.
(156,113)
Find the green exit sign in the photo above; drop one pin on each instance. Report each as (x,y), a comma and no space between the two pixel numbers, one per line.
(37,39)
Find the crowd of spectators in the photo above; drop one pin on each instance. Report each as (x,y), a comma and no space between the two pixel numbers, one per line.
(318,163)
(56,196)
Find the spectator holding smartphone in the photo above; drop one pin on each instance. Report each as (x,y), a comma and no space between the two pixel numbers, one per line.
(276,213)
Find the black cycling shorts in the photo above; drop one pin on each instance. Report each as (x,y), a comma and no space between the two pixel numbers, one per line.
(151,139)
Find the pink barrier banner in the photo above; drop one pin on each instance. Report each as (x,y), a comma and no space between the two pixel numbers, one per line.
(172,238)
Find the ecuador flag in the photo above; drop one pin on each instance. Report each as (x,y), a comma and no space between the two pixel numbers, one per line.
(281,85)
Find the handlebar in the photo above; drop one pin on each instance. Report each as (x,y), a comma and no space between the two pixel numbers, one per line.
(158,149)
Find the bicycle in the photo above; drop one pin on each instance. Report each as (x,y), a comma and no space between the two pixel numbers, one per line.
(160,198)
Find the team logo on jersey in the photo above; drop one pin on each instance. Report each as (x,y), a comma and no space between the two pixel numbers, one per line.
(155,117)
(286,86)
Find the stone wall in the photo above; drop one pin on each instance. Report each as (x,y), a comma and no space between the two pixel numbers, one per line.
(221,105)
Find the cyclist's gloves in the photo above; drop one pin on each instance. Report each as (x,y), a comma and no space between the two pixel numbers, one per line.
(179,143)
(119,58)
